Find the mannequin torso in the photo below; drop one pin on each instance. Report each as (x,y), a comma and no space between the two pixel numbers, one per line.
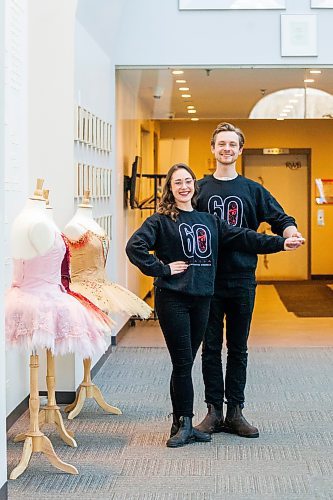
(33,232)
(81,223)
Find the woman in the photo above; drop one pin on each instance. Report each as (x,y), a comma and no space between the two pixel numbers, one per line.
(186,245)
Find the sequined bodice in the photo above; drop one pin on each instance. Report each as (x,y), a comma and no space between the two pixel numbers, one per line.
(88,257)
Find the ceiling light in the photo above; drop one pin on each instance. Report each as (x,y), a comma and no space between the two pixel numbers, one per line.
(283,114)
(315,71)
(195,119)
(190,106)
(308,80)
(191,110)
(280,118)
(184,88)
(177,72)
(286,110)
(186,95)
(293,100)
(180,81)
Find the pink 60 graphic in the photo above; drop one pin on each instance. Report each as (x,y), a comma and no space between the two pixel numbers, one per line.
(229,209)
(196,240)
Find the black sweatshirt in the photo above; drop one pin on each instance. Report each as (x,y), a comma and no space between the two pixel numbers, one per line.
(194,238)
(244,203)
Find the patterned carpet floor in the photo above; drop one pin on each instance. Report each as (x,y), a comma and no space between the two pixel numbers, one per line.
(289,397)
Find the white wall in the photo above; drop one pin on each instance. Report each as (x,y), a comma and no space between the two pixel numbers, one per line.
(3,461)
(157,33)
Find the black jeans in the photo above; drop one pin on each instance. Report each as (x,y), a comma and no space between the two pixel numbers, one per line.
(183,320)
(234,302)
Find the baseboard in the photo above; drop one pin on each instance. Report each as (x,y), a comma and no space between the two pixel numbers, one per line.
(62,397)
(4,491)
(328,277)
(17,412)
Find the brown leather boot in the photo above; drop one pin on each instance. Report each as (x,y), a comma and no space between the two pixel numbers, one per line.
(236,423)
(213,421)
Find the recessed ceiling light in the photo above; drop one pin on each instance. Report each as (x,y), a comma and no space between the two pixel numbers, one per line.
(177,72)
(184,88)
(315,71)
(195,119)
(186,95)
(280,118)
(180,81)
(293,100)
(191,110)
(308,80)
(190,106)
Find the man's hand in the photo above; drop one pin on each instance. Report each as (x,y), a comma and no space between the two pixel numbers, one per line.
(178,266)
(293,242)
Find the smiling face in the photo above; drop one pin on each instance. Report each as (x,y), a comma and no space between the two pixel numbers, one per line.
(226,148)
(182,187)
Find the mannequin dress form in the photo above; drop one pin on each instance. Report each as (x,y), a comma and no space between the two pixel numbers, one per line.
(50,414)
(32,236)
(88,279)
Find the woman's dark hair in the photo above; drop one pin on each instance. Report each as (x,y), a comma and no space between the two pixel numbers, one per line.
(167,205)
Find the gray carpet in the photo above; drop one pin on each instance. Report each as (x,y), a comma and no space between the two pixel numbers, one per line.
(307,299)
(124,457)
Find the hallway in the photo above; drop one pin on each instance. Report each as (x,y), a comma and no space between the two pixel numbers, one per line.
(289,396)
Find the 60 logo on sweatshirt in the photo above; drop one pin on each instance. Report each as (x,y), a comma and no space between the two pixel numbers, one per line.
(196,240)
(229,209)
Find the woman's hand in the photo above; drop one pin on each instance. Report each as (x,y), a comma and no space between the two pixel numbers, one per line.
(178,266)
(293,242)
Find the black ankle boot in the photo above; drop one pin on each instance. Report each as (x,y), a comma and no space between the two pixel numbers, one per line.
(186,434)
(213,421)
(236,423)
(175,425)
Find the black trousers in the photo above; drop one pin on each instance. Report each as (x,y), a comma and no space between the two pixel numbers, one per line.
(183,320)
(233,303)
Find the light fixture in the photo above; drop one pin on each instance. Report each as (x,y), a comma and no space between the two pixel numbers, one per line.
(283,114)
(286,111)
(308,80)
(315,71)
(178,72)
(180,81)
(184,88)
(280,118)
(195,119)
(293,100)
(191,110)
(190,106)
(186,95)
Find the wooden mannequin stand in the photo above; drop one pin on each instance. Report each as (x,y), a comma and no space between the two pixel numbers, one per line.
(35,440)
(50,414)
(88,390)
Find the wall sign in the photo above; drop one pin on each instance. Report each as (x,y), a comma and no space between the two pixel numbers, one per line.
(298,35)
(230,4)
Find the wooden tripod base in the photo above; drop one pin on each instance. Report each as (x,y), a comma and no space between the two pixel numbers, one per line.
(40,443)
(34,439)
(89,390)
(50,414)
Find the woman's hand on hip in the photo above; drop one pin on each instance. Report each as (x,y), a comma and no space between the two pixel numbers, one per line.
(179,266)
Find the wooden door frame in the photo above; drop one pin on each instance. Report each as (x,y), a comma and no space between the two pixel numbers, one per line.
(291,151)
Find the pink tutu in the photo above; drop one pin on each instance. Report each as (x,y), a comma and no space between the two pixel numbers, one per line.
(40,314)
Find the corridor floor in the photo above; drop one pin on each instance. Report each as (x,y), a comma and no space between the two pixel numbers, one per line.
(289,397)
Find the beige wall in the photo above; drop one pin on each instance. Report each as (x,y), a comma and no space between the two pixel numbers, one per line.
(312,134)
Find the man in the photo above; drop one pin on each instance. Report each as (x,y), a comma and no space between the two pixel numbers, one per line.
(244,203)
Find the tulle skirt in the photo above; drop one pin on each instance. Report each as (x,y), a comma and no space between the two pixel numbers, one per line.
(111,297)
(52,319)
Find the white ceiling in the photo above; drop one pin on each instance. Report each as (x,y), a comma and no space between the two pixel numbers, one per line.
(216,93)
